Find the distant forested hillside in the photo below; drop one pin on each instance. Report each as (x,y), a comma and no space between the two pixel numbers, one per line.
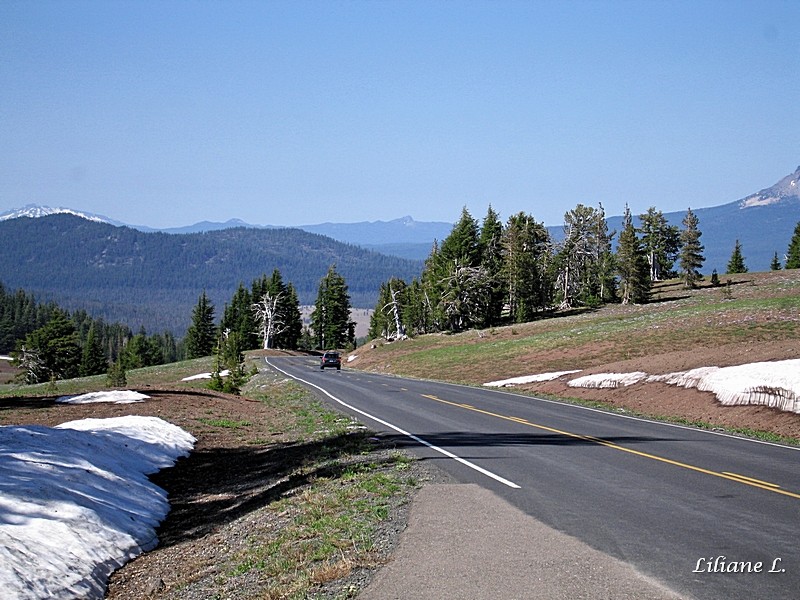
(154,279)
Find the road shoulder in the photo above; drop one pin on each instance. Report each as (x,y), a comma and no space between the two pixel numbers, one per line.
(463,541)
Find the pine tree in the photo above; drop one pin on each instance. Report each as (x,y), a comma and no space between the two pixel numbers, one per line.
(775,265)
(463,243)
(661,242)
(492,262)
(116,376)
(632,264)
(793,253)
(289,338)
(604,267)
(93,358)
(736,262)
(201,336)
(691,252)
(238,316)
(50,352)
(330,319)
(458,284)
(525,251)
(580,272)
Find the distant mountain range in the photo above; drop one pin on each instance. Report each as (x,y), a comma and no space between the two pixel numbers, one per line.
(153,279)
(141,275)
(763,223)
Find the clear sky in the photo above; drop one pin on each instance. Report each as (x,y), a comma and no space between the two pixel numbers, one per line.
(165,113)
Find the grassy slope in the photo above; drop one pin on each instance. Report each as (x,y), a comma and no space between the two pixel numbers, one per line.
(755,308)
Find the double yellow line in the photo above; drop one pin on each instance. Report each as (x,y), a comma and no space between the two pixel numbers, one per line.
(764,485)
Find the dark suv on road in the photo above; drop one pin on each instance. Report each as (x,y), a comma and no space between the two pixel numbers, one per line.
(331,359)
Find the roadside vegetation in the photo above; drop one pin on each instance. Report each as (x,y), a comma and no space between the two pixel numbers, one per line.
(752,307)
(282,498)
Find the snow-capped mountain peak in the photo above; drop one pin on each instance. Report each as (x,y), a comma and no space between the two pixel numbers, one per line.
(787,188)
(34,211)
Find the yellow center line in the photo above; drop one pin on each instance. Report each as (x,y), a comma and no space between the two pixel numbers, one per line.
(764,485)
(737,476)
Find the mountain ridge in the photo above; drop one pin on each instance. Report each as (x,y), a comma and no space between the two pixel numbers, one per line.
(153,279)
(763,223)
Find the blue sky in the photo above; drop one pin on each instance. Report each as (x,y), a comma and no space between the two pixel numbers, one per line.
(288,113)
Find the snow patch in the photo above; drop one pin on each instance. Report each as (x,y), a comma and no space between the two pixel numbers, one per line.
(115,397)
(775,384)
(607,380)
(529,379)
(76,503)
(224,373)
(758,201)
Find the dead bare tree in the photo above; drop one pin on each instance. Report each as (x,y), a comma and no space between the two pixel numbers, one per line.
(393,307)
(270,320)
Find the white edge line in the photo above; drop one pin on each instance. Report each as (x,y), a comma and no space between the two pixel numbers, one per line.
(464,462)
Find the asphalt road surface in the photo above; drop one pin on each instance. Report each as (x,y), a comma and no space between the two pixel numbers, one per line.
(709,515)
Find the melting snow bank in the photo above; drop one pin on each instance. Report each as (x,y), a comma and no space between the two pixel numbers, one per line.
(607,380)
(117,397)
(774,384)
(529,379)
(76,503)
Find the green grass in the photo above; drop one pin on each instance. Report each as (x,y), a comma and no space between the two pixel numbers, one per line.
(224,423)
(329,526)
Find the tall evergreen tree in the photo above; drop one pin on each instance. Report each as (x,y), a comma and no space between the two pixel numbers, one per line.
(775,265)
(577,261)
(525,251)
(463,243)
(736,262)
(93,357)
(793,253)
(289,305)
(604,268)
(661,242)
(632,264)
(330,319)
(458,286)
(691,252)
(237,317)
(201,336)
(490,243)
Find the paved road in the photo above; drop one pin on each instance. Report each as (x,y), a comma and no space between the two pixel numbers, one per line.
(667,500)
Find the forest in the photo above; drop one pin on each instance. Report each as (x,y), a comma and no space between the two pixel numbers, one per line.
(48,343)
